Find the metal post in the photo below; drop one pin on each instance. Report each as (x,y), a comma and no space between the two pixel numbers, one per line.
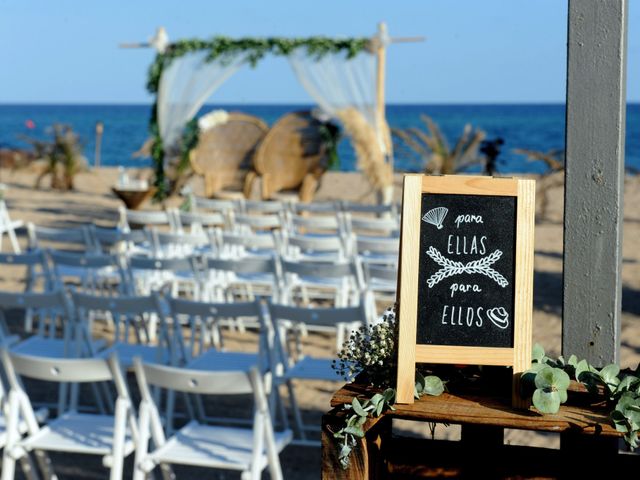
(594,182)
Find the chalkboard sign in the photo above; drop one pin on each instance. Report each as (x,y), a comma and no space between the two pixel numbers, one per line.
(465,279)
(465,287)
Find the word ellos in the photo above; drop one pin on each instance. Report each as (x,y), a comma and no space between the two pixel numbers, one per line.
(474,316)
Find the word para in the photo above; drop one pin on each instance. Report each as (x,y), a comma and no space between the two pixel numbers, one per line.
(464,288)
(468,219)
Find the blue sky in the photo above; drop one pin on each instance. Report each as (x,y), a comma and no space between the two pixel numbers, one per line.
(488,51)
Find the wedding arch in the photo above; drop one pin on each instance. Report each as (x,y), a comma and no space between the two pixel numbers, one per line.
(344,77)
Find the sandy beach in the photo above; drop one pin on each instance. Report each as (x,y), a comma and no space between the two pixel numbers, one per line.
(92,201)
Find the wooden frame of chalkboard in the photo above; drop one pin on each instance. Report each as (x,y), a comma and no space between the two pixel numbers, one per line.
(465,282)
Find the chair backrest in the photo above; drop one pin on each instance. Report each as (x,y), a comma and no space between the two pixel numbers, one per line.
(378,226)
(213,204)
(301,224)
(203,219)
(304,246)
(107,239)
(76,370)
(319,317)
(259,222)
(89,269)
(51,310)
(192,381)
(355,207)
(130,315)
(315,207)
(288,320)
(385,274)
(63,370)
(377,246)
(33,260)
(239,245)
(203,317)
(320,269)
(79,236)
(172,244)
(244,265)
(143,218)
(262,206)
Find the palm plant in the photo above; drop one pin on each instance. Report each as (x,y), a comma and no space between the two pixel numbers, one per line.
(62,155)
(434,150)
(554,160)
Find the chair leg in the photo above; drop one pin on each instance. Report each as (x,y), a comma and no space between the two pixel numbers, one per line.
(297,415)
(44,462)
(28,468)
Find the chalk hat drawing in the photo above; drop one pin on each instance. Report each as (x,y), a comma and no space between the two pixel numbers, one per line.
(499,317)
(435,216)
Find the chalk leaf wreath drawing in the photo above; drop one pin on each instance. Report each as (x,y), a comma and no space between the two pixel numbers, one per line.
(450,267)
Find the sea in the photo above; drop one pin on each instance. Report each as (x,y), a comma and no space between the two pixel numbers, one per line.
(537,127)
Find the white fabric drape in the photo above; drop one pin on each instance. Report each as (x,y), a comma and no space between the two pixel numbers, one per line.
(336,82)
(184,87)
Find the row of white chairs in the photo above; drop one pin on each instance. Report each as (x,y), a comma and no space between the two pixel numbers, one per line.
(334,222)
(304,269)
(182,360)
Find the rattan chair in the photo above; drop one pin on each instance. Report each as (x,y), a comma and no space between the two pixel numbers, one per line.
(291,156)
(226,148)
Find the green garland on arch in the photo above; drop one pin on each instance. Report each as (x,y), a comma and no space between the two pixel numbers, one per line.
(225,49)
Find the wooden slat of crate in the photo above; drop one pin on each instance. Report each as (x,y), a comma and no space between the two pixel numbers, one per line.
(491,411)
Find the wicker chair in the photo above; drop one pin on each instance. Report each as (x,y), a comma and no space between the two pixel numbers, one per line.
(226,148)
(291,156)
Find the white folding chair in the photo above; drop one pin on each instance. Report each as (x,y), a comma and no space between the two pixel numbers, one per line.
(116,240)
(247,224)
(57,332)
(248,450)
(94,273)
(304,281)
(262,206)
(313,248)
(204,349)
(145,218)
(173,275)
(378,251)
(292,347)
(56,237)
(380,286)
(315,207)
(199,222)
(133,320)
(240,245)
(37,275)
(8,226)
(248,277)
(110,436)
(382,211)
(320,225)
(227,208)
(178,245)
(37,267)
(373,227)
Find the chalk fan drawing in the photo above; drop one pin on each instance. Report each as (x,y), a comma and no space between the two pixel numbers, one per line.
(435,216)
(499,317)
(450,268)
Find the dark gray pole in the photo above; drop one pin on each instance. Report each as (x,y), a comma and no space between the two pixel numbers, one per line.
(593,209)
